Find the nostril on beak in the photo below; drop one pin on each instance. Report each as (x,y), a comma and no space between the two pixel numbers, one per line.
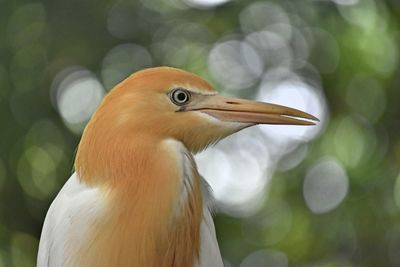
(232,103)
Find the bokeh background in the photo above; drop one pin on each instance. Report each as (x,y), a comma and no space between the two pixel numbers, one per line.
(322,196)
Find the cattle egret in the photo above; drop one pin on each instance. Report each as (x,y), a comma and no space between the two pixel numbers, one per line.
(136,197)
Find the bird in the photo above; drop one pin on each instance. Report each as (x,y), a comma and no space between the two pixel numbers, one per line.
(136,197)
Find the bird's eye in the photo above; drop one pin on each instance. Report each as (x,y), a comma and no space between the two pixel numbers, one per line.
(180,96)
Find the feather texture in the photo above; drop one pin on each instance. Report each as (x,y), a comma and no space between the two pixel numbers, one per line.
(80,210)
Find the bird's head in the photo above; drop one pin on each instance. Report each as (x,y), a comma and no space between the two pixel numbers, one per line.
(167,103)
(127,148)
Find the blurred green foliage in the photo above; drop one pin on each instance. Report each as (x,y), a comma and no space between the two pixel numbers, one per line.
(357,61)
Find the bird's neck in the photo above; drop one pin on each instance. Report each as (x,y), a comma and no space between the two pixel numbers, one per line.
(154,198)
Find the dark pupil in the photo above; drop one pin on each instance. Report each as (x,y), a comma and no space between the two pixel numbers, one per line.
(181,97)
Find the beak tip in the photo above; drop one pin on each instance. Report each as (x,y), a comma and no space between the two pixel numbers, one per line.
(309,117)
(315,119)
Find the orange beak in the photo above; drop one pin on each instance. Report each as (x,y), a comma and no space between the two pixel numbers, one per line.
(248,111)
